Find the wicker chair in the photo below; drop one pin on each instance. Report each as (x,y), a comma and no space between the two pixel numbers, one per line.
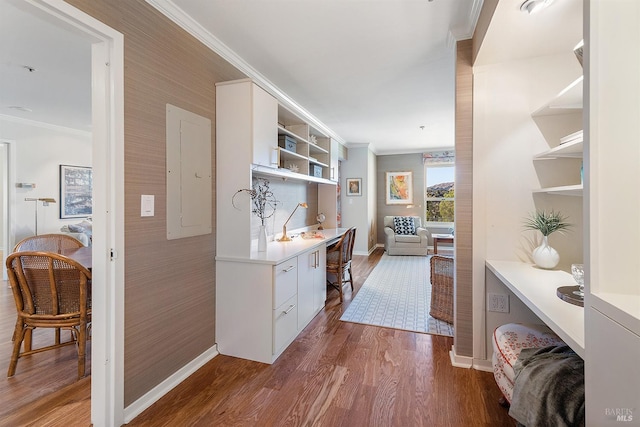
(50,291)
(339,260)
(441,288)
(48,243)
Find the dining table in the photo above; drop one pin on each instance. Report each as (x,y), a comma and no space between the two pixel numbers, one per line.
(82,255)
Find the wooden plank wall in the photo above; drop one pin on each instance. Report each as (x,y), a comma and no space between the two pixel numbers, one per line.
(169,284)
(463,339)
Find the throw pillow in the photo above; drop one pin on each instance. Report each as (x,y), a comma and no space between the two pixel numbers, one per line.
(404,225)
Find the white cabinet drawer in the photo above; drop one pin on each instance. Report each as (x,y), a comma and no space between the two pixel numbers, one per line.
(285,282)
(285,324)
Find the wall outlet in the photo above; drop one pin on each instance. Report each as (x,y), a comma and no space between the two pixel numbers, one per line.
(498,303)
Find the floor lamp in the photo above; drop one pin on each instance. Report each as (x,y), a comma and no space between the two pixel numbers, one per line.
(45,202)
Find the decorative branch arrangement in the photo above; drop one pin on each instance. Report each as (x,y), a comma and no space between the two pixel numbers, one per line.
(264,201)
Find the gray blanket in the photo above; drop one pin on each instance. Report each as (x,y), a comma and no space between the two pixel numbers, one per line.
(548,388)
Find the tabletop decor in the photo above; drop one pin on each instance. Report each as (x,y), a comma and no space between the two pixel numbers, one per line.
(264,206)
(546,223)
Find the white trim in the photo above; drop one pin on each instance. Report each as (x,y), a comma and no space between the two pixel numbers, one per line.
(44,125)
(107,358)
(191,26)
(482,365)
(460,361)
(153,395)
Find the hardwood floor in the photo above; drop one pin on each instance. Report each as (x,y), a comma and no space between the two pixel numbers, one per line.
(334,374)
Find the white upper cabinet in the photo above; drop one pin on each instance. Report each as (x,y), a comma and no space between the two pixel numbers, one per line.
(249,114)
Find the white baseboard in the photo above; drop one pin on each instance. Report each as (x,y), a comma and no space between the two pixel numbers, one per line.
(460,361)
(483,365)
(153,395)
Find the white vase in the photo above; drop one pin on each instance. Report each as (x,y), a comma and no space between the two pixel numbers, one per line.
(262,239)
(545,256)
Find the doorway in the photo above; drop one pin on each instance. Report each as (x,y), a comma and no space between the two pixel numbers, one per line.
(107,124)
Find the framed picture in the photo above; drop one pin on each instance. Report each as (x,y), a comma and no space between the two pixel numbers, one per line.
(76,184)
(354,186)
(399,188)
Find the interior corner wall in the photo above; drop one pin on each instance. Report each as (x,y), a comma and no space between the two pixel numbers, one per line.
(399,163)
(505,140)
(38,151)
(162,64)
(355,208)
(372,210)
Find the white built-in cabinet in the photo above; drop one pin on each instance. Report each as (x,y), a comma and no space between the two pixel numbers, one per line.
(261,307)
(612,179)
(248,122)
(264,299)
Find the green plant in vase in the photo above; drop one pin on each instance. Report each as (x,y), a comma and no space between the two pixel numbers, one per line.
(546,223)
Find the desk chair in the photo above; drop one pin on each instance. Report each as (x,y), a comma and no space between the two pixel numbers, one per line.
(339,260)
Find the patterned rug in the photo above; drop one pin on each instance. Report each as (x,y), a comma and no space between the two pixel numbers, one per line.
(397,294)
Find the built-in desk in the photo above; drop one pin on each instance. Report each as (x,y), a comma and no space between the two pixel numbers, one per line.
(264,300)
(536,288)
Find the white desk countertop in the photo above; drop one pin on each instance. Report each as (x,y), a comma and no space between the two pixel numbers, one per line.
(278,252)
(537,287)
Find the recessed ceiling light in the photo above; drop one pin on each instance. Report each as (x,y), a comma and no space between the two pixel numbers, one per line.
(533,6)
(17,107)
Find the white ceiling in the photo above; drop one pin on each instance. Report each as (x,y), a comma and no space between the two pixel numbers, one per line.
(373,71)
(59,90)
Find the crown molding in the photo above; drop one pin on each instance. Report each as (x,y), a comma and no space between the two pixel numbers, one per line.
(49,126)
(191,26)
(456,35)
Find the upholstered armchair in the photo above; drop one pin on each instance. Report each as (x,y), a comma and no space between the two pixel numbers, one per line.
(405,236)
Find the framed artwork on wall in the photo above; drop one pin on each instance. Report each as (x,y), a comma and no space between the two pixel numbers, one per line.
(76,186)
(399,188)
(354,186)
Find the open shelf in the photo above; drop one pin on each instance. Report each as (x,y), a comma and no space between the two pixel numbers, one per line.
(570,149)
(565,190)
(567,101)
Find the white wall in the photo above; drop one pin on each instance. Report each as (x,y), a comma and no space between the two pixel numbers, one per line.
(372,212)
(36,153)
(356,209)
(505,140)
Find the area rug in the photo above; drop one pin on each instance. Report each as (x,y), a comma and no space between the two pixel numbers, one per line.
(397,294)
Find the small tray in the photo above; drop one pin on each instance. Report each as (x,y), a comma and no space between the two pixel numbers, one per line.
(565,293)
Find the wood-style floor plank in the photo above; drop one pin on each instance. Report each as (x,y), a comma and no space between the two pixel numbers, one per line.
(334,374)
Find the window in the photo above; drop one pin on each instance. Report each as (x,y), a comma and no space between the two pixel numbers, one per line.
(439,196)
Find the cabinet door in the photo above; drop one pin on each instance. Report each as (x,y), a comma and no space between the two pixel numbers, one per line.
(265,130)
(320,280)
(333,164)
(306,279)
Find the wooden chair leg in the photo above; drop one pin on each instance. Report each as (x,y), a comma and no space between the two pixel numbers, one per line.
(17,343)
(350,278)
(82,349)
(27,338)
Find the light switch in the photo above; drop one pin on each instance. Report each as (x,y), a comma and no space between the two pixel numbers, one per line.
(146,205)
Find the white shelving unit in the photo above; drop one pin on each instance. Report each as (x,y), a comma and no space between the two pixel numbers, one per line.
(309,155)
(568,101)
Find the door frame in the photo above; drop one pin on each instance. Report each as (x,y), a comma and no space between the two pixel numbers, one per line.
(107,69)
